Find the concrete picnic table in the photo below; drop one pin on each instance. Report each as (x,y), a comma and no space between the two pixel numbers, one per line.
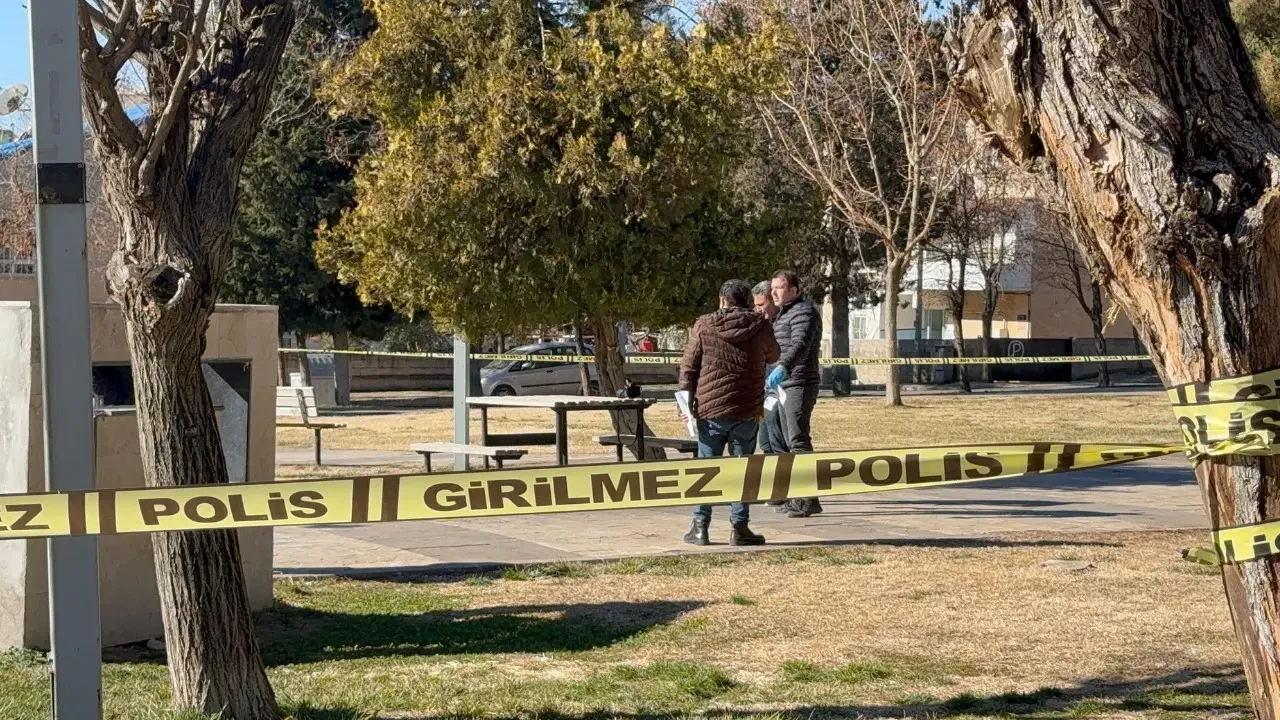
(561,405)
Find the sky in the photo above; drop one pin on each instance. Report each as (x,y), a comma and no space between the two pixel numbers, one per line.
(15,43)
(15,54)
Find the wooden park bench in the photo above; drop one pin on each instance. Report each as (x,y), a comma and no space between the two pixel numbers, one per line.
(295,407)
(683,445)
(488,452)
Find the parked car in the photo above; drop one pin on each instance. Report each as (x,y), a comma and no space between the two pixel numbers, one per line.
(525,377)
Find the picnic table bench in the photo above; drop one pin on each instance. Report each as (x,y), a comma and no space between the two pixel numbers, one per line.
(683,445)
(561,405)
(488,452)
(300,403)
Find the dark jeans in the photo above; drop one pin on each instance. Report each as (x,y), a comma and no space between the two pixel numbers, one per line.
(797,412)
(740,437)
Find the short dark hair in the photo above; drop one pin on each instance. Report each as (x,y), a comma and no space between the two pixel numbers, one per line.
(761,288)
(792,279)
(736,292)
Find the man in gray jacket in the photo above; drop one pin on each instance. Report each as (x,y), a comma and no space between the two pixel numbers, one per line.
(798,329)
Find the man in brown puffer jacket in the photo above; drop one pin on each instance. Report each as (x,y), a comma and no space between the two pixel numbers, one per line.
(723,370)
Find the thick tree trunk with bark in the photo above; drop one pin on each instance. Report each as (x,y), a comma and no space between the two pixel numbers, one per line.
(341,366)
(611,373)
(213,657)
(171,187)
(892,287)
(1152,116)
(841,382)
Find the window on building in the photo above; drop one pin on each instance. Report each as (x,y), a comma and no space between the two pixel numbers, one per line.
(858,327)
(13,262)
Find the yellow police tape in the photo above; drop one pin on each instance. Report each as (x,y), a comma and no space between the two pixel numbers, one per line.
(654,359)
(1233,416)
(1229,416)
(542,490)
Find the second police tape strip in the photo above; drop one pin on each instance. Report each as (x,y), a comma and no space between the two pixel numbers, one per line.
(653,359)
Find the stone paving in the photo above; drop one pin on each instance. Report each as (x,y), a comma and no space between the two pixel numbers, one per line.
(1155,494)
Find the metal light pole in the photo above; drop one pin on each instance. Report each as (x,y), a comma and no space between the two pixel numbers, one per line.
(75,635)
(461,390)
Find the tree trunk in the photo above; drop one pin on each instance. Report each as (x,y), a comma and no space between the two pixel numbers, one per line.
(987,317)
(584,370)
(304,360)
(917,370)
(956,294)
(1172,159)
(957,340)
(611,373)
(892,287)
(841,382)
(282,363)
(341,366)
(213,656)
(1099,334)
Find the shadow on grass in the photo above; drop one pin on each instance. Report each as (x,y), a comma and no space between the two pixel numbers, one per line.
(291,634)
(1186,694)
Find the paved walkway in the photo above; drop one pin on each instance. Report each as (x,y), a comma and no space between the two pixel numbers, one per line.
(1156,494)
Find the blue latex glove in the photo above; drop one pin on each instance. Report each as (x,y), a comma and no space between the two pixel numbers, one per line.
(775,378)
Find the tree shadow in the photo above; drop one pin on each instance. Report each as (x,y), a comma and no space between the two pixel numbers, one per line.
(1188,693)
(290,634)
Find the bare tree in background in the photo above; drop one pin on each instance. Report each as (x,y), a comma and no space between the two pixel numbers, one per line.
(866,115)
(973,218)
(171,186)
(1060,264)
(17,206)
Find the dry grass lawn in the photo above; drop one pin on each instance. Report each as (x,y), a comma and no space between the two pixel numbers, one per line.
(838,423)
(866,631)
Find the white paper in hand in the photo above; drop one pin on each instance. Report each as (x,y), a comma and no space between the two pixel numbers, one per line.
(682,403)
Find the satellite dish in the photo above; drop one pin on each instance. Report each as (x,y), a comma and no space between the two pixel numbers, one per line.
(11,100)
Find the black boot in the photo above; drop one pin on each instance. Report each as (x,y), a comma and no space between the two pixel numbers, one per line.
(698,534)
(787,506)
(805,508)
(742,535)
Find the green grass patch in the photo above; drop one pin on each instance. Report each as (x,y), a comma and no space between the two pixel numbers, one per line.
(1088,708)
(742,600)
(668,565)
(803,671)
(1187,568)
(518,573)
(23,658)
(854,673)
(696,680)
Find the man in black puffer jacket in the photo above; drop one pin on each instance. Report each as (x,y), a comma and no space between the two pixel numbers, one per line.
(798,329)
